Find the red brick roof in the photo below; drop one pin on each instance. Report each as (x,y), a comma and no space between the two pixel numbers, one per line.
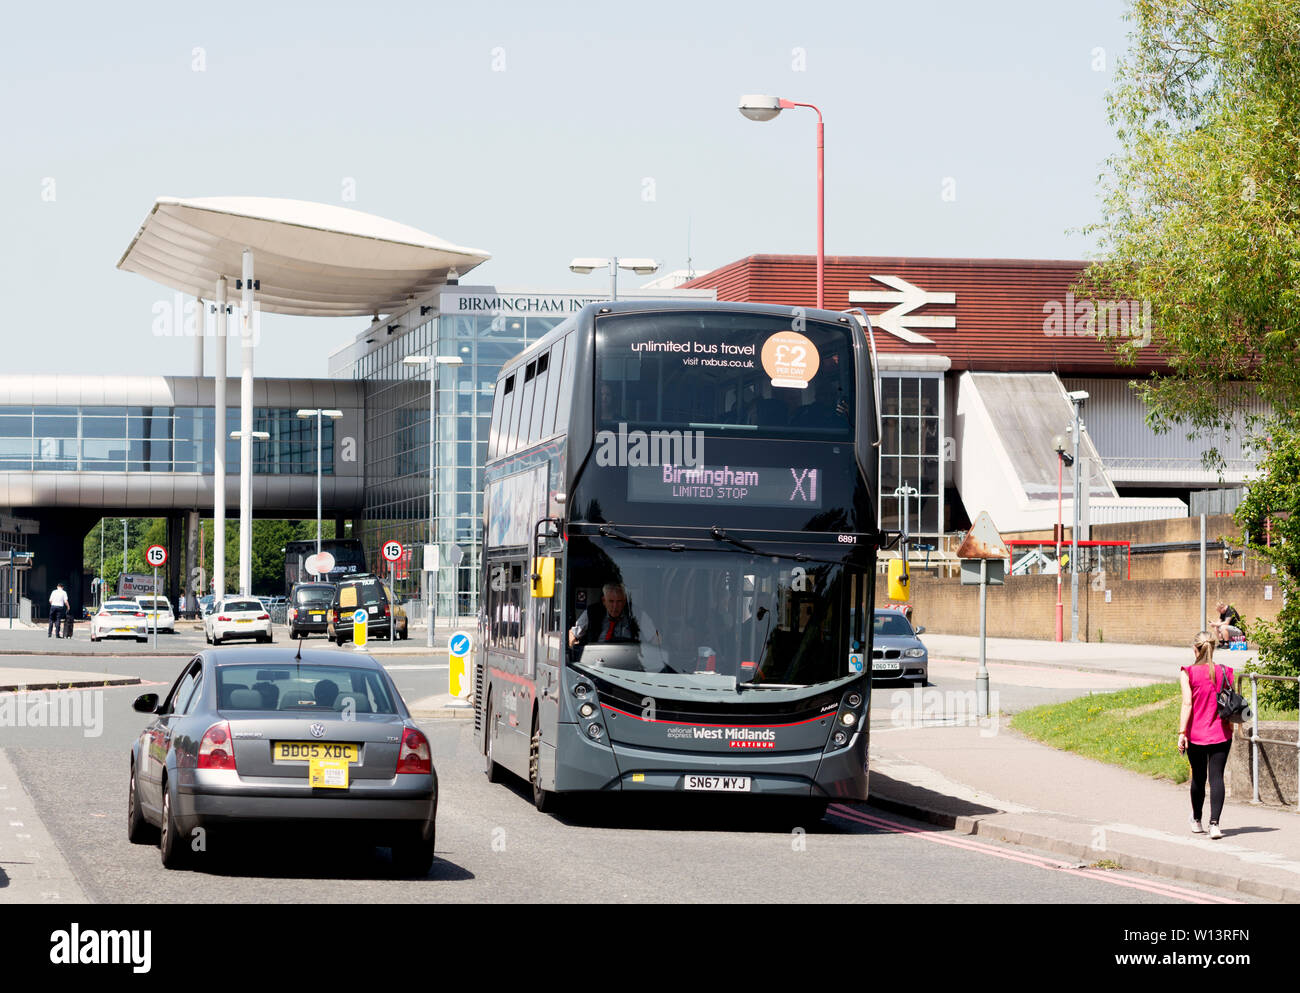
(1009,314)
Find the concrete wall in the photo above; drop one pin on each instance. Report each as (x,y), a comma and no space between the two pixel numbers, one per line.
(1277,763)
(1142,612)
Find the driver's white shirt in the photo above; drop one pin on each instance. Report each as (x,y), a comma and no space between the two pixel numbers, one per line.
(59,598)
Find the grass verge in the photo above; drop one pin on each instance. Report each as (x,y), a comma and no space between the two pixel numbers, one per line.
(1135,728)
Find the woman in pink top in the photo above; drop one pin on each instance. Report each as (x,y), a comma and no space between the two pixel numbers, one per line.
(1202,734)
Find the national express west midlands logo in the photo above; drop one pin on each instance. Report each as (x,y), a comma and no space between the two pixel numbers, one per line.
(738,737)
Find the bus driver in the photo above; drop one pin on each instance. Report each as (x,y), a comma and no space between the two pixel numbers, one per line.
(611,621)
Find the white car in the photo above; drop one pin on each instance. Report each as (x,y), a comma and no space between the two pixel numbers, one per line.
(237,617)
(158,612)
(119,619)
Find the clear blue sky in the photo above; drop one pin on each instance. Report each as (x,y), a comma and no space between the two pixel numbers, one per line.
(534,130)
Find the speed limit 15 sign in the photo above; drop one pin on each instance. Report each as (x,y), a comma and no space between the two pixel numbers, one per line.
(156,556)
(392,550)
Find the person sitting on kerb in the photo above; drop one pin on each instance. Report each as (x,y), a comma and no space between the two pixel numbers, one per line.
(611,621)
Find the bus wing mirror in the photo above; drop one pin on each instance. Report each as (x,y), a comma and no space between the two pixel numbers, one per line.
(544,577)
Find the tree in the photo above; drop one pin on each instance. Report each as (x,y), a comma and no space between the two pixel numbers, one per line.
(1201,219)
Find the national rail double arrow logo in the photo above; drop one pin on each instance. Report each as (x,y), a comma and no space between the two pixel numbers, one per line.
(906,298)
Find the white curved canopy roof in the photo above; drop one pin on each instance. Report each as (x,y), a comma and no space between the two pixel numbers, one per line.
(311,259)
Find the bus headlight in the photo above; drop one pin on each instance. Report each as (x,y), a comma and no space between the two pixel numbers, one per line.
(840,739)
(594,731)
(855,700)
(586,710)
(580,690)
(848,720)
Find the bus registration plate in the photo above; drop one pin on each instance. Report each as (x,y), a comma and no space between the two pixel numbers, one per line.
(718,784)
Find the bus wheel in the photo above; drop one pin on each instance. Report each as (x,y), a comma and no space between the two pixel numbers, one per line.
(490,767)
(544,800)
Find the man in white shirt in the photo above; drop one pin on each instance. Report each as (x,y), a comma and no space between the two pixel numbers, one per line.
(58,608)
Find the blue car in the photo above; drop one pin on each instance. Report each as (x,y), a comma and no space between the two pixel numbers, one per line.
(896,649)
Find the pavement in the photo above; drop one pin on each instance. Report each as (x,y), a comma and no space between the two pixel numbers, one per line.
(942,765)
(981,778)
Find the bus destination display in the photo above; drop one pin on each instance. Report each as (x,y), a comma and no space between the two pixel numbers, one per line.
(748,486)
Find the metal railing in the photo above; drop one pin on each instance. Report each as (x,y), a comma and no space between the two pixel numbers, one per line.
(1256,740)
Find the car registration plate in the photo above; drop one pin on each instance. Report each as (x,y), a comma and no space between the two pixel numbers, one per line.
(244,620)
(306,751)
(318,613)
(884,666)
(123,630)
(718,784)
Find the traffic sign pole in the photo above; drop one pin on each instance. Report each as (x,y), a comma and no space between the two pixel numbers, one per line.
(156,556)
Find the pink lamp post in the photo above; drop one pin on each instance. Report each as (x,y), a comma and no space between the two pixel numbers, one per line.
(763,108)
(1063,459)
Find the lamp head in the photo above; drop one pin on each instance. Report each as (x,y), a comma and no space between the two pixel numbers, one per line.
(758,107)
(1058,445)
(585,266)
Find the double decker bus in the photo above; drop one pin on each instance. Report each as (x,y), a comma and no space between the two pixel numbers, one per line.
(680,540)
(349,558)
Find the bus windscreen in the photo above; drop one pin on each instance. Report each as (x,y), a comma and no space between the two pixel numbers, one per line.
(753,375)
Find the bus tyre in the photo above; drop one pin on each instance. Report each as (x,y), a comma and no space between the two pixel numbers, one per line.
(544,800)
(490,767)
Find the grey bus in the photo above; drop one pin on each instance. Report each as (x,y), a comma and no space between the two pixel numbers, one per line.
(680,542)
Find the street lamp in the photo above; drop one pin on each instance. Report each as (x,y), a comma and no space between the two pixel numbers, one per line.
(642,267)
(1077,398)
(318,413)
(1062,460)
(757,107)
(441,360)
(245,467)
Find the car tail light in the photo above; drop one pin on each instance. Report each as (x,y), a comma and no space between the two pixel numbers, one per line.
(414,753)
(336,617)
(217,750)
(293,614)
(385,610)
(139,613)
(263,617)
(222,617)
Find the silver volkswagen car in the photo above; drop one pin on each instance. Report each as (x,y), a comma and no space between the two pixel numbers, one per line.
(258,736)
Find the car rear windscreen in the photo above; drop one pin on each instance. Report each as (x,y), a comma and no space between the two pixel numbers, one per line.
(243,605)
(303,689)
(316,597)
(362,593)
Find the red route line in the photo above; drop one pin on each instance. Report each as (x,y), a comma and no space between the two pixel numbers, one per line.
(1038,862)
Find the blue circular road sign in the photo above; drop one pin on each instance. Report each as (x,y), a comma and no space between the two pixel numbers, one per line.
(459,644)
(359,617)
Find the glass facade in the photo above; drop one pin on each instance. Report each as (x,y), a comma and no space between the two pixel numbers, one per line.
(155,439)
(911,453)
(397,443)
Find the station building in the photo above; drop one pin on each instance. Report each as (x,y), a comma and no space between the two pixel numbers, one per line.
(977,357)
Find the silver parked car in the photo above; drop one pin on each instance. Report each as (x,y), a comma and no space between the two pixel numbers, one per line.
(257,736)
(896,649)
